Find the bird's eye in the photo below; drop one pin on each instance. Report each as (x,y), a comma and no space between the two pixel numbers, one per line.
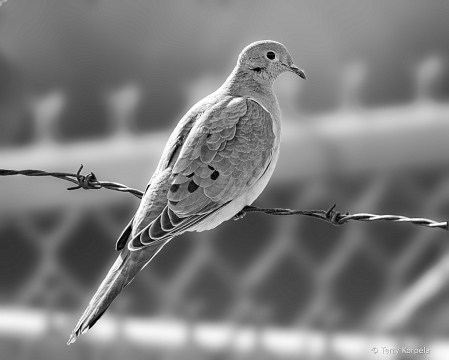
(271,55)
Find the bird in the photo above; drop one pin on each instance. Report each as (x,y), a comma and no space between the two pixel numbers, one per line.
(217,160)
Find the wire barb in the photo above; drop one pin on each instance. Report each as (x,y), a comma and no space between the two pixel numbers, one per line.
(90,181)
(86,182)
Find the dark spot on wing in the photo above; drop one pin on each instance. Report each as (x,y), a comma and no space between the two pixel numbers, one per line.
(190,175)
(210,167)
(192,186)
(214,175)
(174,188)
(174,203)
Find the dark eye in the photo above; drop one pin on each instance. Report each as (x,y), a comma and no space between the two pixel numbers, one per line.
(271,55)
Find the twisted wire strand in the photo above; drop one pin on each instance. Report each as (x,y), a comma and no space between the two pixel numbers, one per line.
(90,181)
(336,218)
(86,182)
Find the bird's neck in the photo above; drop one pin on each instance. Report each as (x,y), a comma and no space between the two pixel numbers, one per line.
(243,83)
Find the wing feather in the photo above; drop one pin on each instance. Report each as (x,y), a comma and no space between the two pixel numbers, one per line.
(231,153)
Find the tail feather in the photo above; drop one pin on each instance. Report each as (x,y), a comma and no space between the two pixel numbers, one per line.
(125,268)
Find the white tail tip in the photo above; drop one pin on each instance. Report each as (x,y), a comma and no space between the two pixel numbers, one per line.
(72,339)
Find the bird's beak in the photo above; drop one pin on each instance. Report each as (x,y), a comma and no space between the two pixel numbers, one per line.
(294,69)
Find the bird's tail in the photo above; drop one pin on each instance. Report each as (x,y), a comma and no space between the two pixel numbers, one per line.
(125,268)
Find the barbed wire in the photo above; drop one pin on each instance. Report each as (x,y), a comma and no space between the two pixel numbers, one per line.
(86,182)
(336,218)
(90,181)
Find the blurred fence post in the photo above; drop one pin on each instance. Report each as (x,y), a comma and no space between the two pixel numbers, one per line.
(46,110)
(428,73)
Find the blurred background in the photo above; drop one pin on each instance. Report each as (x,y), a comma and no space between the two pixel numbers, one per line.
(103,82)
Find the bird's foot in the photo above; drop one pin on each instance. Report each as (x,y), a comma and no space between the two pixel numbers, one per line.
(240,215)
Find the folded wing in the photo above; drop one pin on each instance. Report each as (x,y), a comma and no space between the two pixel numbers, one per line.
(227,150)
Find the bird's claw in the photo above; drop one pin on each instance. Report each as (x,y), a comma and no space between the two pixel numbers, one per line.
(240,215)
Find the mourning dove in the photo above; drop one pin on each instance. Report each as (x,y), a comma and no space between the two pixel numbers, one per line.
(218,159)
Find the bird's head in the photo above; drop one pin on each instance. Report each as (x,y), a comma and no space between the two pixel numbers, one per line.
(266,60)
